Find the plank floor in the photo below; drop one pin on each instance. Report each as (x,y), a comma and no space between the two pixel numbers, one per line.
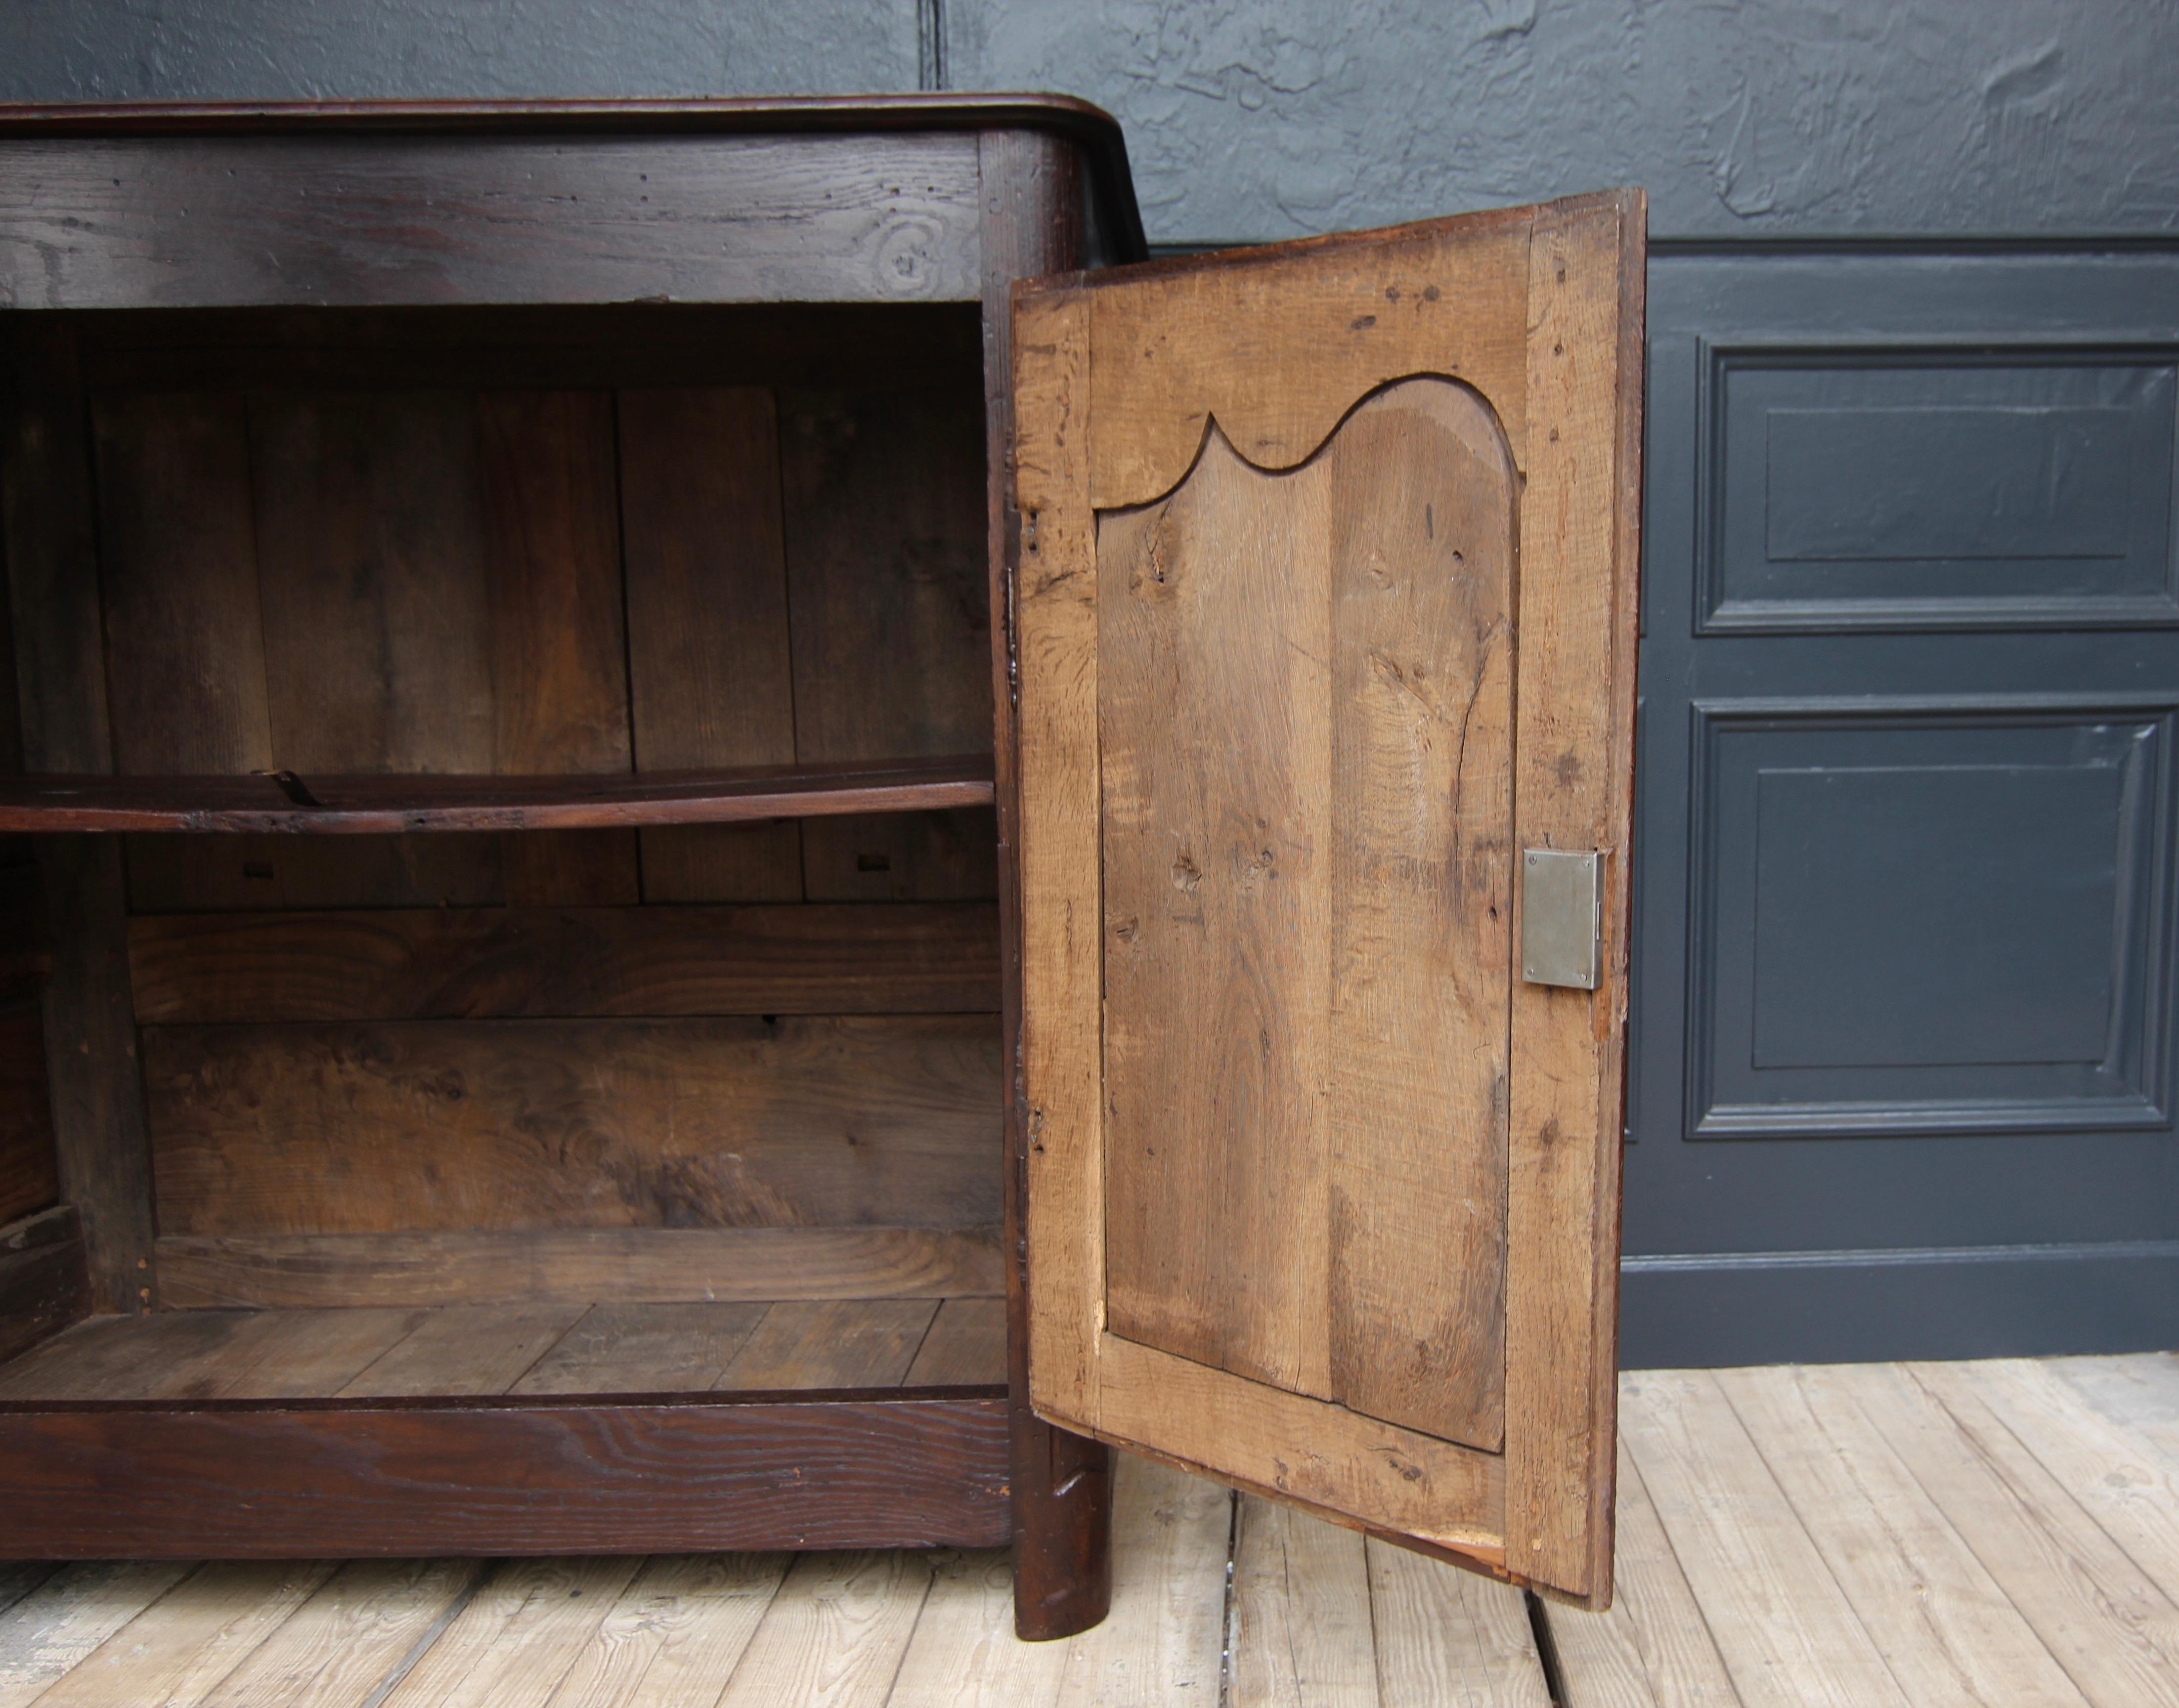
(361,1352)
(2002,1533)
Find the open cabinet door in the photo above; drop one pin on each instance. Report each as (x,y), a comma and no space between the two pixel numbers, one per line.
(1324,615)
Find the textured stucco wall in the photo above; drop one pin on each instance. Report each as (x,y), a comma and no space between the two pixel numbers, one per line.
(1267,118)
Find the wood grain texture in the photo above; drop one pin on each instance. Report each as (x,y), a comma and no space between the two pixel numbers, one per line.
(1651,1649)
(1251,1433)
(1573,789)
(1303,1633)
(644,1349)
(1035,194)
(1307,811)
(500,1477)
(633,1264)
(2117,1474)
(375,598)
(833,1343)
(517,1636)
(68,1615)
(29,1176)
(1179,345)
(177,576)
(92,1066)
(1944,1626)
(2103,1619)
(1166,1633)
(359,1629)
(966,1345)
(49,527)
(181,1648)
(1121,380)
(835,1633)
(380,1353)
(1443,1633)
(549,483)
(464,1349)
(1787,1633)
(549,1124)
(1055,607)
(445,963)
(48,523)
(363,805)
(328,221)
(885,543)
(1213,715)
(710,667)
(44,1284)
(681,1624)
(963,1653)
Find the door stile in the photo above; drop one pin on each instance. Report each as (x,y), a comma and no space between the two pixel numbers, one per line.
(1574,700)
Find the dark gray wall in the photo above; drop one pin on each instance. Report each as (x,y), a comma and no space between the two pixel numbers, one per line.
(1257,119)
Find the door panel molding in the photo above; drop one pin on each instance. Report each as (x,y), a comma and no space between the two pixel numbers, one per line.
(2124,1088)
(2077,437)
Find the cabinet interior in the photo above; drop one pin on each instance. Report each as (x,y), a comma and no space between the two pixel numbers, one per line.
(638,1107)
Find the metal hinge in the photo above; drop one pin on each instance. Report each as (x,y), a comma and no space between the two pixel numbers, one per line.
(1561,936)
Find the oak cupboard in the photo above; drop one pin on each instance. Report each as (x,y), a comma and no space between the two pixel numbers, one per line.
(722,835)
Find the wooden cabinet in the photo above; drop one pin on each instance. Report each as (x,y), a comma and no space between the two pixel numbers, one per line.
(702,855)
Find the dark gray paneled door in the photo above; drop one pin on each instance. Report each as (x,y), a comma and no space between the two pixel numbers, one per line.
(1902,1049)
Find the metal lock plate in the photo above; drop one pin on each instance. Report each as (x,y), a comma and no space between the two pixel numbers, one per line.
(1559,918)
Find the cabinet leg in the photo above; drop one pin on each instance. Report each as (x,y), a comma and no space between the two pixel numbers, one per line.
(1062,1498)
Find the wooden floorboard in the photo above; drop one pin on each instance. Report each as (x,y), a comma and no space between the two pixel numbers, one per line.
(2003,1534)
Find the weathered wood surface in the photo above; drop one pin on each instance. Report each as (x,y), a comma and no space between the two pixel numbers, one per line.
(449,963)
(30,1178)
(552,1265)
(1573,787)
(380,805)
(326,220)
(1224,835)
(886,579)
(497,1476)
(468,1125)
(550,502)
(44,1283)
(48,529)
(1307,812)
(359,1352)
(710,658)
(1320,1618)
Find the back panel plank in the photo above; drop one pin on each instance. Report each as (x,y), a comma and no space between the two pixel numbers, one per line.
(1306,824)
(708,650)
(884,532)
(29,1176)
(444,963)
(600,1124)
(372,561)
(559,661)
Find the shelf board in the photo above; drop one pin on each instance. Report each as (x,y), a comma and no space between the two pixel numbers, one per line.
(283,802)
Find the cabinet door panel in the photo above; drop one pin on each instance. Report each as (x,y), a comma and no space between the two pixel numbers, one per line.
(1324,611)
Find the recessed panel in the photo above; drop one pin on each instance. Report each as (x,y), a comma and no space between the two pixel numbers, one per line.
(1928,923)
(1305,700)
(1925,490)
(1933,915)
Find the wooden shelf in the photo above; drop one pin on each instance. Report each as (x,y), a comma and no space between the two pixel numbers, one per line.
(285,803)
(358,1353)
